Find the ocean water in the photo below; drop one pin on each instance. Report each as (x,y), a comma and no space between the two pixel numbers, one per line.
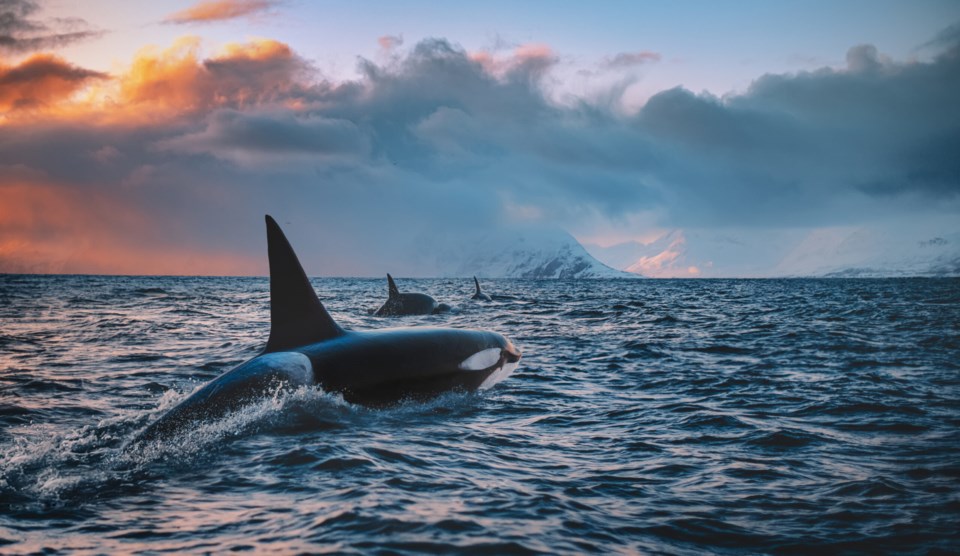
(647,416)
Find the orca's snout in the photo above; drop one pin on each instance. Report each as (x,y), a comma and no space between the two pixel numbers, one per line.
(510,353)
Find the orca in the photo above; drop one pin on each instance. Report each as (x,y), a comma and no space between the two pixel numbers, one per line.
(307,347)
(480,295)
(404,304)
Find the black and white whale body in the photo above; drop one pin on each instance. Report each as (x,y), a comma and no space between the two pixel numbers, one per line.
(404,304)
(480,295)
(307,347)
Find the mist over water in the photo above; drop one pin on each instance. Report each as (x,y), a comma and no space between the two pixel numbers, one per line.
(682,417)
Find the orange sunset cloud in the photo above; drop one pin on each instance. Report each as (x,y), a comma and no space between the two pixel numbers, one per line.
(177,80)
(158,83)
(219,10)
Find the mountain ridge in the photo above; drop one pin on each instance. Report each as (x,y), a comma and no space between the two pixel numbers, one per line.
(516,252)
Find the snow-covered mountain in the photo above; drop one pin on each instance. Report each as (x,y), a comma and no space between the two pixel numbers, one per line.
(518,252)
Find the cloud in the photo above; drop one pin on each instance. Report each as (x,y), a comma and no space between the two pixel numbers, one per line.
(527,60)
(663,262)
(260,137)
(865,58)
(40,80)
(631,59)
(220,10)
(21,33)
(438,140)
(947,39)
(390,42)
(176,80)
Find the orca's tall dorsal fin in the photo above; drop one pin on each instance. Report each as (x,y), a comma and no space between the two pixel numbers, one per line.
(392,286)
(297,317)
(477,282)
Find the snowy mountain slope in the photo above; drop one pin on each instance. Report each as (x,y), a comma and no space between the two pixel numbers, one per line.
(865,251)
(518,252)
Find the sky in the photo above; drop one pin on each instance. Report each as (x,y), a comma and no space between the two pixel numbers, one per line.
(151,137)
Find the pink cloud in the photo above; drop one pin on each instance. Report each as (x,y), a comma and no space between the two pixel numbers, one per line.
(219,10)
(668,263)
(527,52)
(389,42)
(534,59)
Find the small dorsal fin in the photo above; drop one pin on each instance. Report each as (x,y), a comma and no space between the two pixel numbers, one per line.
(297,317)
(392,286)
(477,282)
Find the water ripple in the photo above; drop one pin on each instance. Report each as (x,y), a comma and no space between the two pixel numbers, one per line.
(680,417)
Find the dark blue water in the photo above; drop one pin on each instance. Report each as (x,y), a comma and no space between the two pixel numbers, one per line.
(682,417)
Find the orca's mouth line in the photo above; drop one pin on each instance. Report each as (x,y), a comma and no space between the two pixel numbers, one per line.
(507,357)
(491,359)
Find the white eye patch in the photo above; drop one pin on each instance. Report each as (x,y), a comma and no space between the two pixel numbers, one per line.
(481,360)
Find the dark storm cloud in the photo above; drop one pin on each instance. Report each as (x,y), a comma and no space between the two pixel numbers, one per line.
(799,148)
(21,31)
(234,134)
(41,79)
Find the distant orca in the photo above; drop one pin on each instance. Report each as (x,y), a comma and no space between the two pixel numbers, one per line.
(402,304)
(480,295)
(307,347)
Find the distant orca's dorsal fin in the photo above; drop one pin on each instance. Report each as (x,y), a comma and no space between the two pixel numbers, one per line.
(477,282)
(394,291)
(297,317)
